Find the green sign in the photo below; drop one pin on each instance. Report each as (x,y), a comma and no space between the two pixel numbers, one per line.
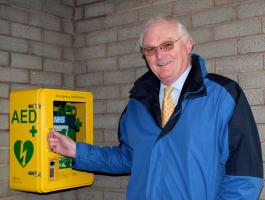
(23,152)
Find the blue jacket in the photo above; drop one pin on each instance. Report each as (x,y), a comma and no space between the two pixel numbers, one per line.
(208,150)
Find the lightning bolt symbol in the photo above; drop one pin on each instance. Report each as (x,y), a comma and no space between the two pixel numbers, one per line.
(23,155)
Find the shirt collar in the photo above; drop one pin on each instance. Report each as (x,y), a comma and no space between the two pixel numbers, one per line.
(178,84)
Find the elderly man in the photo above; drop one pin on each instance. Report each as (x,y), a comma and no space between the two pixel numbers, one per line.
(185,134)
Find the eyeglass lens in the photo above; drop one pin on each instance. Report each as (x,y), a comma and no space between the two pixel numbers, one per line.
(165,46)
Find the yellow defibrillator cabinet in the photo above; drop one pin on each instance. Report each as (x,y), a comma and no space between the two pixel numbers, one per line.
(33,113)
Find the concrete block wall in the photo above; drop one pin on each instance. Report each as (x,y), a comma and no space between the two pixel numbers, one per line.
(36,40)
(94,45)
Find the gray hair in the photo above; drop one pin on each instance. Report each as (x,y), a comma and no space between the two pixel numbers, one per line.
(180,27)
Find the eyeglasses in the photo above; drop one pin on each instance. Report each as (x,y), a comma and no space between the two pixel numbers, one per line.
(165,46)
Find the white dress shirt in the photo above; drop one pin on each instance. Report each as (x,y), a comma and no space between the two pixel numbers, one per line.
(177,85)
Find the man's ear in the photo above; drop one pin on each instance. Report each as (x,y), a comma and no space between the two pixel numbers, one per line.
(189,44)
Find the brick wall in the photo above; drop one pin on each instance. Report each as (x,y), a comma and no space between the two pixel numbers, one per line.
(93,45)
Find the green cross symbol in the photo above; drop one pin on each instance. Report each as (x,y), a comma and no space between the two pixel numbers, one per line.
(33,131)
(78,124)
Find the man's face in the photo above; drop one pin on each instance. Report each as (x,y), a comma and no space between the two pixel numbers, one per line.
(169,65)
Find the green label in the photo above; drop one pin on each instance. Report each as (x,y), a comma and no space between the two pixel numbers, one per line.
(65,162)
(23,152)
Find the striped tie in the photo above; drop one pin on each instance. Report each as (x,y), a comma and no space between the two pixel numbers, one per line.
(168,105)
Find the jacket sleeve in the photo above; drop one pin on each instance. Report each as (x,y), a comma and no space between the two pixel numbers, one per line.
(115,159)
(243,177)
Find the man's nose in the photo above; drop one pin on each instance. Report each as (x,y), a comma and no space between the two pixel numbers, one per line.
(159,53)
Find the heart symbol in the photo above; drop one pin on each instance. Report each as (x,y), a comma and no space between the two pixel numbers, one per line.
(23,152)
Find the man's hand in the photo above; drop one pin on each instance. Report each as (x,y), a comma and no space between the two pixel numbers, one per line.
(61,144)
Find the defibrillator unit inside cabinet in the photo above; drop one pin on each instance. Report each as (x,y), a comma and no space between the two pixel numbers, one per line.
(33,113)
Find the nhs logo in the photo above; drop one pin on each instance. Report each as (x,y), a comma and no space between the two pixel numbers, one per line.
(59,119)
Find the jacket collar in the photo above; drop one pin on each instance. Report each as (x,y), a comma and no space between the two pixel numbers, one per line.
(194,85)
(146,88)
